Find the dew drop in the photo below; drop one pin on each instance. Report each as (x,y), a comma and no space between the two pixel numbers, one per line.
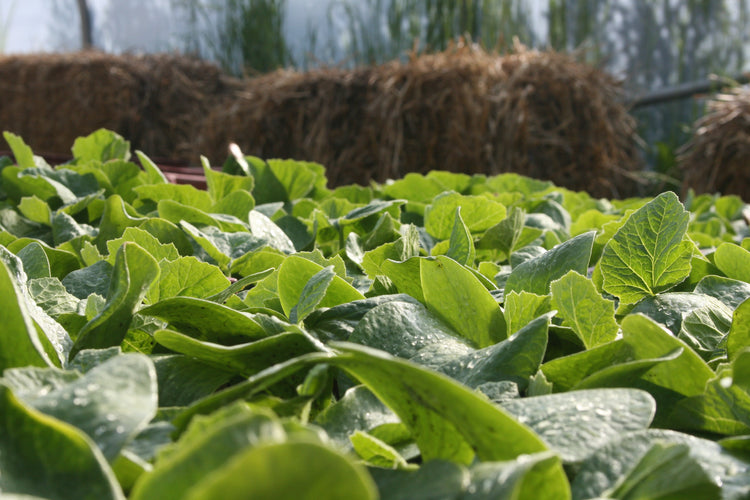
(726,382)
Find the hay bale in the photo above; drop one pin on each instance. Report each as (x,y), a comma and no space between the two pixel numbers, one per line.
(152,100)
(541,114)
(717,157)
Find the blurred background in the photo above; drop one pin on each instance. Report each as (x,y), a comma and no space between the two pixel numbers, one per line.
(650,45)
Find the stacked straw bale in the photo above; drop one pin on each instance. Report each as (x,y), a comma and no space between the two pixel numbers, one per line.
(540,114)
(155,101)
(717,158)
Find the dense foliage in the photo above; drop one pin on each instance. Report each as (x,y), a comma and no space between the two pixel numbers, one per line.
(438,336)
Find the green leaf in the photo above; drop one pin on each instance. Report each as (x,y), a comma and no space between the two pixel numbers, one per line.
(516,358)
(221,185)
(461,243)
(457,296)
(23,154)
(183,380)
(646,459)
(358,410)
(43,457)
(154,175)
(146,241)
(447,420)
(522,308)
(734,261)
(479,213)
(102,145)
(20,344)
(186,277)
(206,320)
(35,261)
(576,423)
(133,273)
(264,228)
(649,253)
(535,275)
(591,316)
(730,292)
(724,407)
(294,274)
(115,220)
(36,210)
(111,403)
(95,278)
(375,452)
(404,328)
(245,359)
(312,294)
(184,194)
(738,337)
(508,234)
(299,470)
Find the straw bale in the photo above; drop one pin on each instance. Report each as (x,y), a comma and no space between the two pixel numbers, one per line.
(152,100)
(541,114)
(717,157)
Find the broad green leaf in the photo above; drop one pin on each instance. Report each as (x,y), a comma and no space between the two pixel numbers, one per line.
(413,187)
(52,297)
(102,145)
(293,470)
(95,278)
(632,461)
(522,308)
(535,275)
(221,185)
(667,470)
(154,175)
(294,274)
(43,457)
(438,479)
(447,420)
(167,232)
(312,294)
(734,261)
(509,234)
(284,180)
(724,407)
(264,228)
(516,358)
(461,242)
(403,328)
(207,446)
(36,210)
(406,275)
(479,213)
(111,403)
(457,297)
(20,344)
(183,380)
(115,220)
(184,194)
(576,423)
(206,320)
(245,359)
(222,246)
(705,329)
(649,253)
(133,273)
(375,452)
(22,152)
(738,337)
(686,375)
(35,261)
(358,410)
(591,316)
(186,276)
(670,308)
(730,292)
(146,241)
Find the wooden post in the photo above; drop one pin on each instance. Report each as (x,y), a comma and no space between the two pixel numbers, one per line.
(85,13)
